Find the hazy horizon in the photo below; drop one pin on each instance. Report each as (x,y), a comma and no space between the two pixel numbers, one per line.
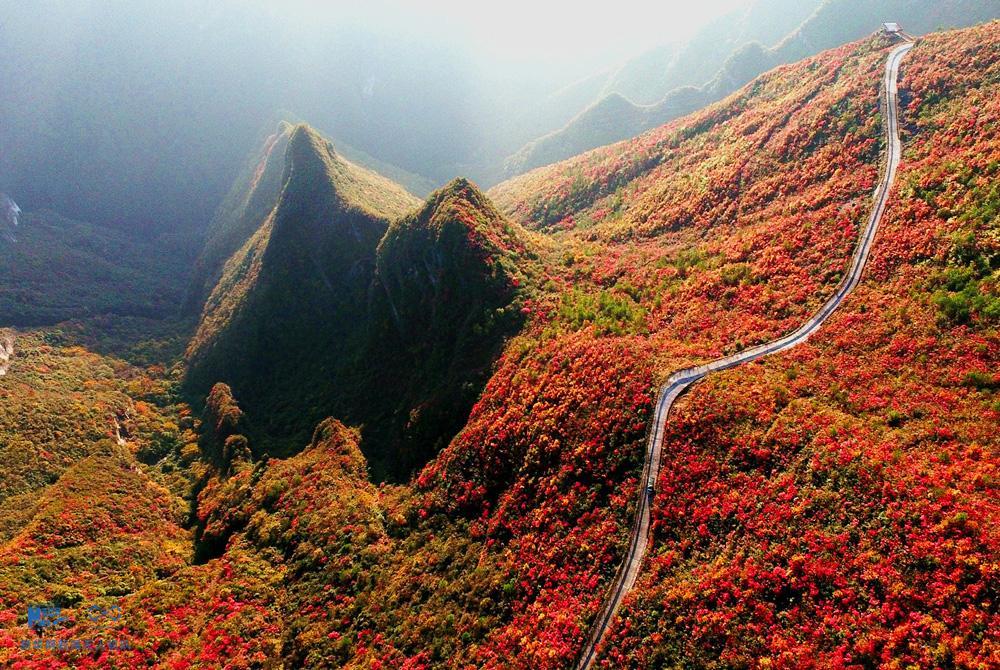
(440,90)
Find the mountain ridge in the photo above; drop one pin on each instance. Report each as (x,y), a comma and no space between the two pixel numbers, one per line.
(833,505)
(833,22)
(347,268)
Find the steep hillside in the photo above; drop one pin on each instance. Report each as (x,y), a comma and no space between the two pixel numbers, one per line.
(834,22)
(445,297)
(330,309)
(834,506)
(249,202)
(57,269)
(285,307)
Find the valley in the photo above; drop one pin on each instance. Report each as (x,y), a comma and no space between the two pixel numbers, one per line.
(721,394)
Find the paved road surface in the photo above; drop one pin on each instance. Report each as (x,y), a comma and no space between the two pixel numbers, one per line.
(680,380)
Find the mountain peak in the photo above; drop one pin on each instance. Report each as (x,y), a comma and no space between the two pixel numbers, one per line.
(457,247)
(461,203)
(462,190)
(312,162)
(459,184)
(307,149)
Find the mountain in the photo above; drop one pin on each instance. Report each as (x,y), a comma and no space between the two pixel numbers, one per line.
(338,303)
(296,286)
(831,505)
(250,200)
(77,430)
(647,78)
(838,501)
(445,298)
(621,114)
(836,21)
(713,233)
(57,269)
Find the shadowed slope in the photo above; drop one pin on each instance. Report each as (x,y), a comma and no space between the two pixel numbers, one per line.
(249,202)
(301,324)
(284,308)
(444,300)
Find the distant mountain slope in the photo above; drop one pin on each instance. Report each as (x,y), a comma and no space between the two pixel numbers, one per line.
(134,116)
(643,79)
(646,79)
(338,304)
(250,200)
(834,22)
(58,269)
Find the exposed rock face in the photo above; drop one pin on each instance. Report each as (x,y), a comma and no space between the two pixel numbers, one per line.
(6,350)
(10,215)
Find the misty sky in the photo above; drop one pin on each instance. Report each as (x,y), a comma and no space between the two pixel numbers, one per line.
(142,112)
(583,32)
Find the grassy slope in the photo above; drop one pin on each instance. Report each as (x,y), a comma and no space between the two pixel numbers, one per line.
(249,202)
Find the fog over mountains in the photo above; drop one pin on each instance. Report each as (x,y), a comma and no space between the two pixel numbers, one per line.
(139,116)
(666,83)
(291,376)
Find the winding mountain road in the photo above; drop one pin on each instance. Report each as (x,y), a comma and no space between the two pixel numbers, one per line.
(682,379)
